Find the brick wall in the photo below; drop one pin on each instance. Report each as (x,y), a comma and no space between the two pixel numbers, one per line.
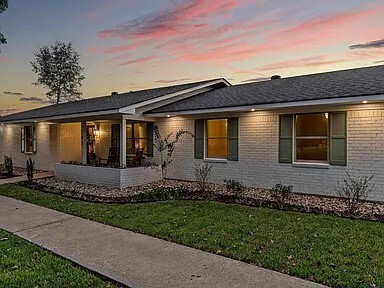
(112,177)
(10,144)
(258,155)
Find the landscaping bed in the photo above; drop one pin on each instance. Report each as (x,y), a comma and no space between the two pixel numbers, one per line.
(182,190)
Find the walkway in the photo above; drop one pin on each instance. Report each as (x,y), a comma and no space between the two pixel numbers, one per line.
(130,258)
(25,178)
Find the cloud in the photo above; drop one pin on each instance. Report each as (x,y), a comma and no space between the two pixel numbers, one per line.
(372,44)
(7,111)
(138,60)
(11,93)
(34,100)
(173,80)
(178,20)
(3,60)
(257,79)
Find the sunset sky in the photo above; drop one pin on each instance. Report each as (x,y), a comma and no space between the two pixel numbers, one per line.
(136,44)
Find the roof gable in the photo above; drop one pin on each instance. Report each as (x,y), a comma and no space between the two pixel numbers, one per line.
(110,103)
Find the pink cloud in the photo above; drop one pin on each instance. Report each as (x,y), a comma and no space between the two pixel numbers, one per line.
(139,60)
(3,60)
(320,60)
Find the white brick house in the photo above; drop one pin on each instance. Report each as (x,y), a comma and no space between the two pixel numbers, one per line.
(307,131)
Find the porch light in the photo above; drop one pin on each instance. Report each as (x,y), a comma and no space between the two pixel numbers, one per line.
(253,110)
(96,132)
(365,102)
(326,115)
(168,115)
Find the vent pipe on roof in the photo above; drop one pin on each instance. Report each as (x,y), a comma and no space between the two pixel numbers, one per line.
(274,77)
(114,93)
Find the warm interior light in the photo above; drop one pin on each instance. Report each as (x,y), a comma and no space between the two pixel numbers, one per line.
(365,101)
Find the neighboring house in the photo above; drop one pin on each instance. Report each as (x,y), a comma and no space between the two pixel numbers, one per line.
(307,131)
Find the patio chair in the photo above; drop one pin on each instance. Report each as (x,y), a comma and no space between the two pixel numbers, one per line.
(136,160)
(113,157)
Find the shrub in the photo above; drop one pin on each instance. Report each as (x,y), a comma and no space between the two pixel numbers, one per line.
(202,174)
(234,186)
(30,169)
(355,189)
(8,164)
(281,194)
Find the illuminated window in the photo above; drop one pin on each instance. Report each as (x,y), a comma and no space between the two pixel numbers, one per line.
(312,137)
(216,135)
(136,137)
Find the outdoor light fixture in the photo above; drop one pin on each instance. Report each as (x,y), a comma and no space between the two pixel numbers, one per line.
(253,110)
(168,116)
(96,132)
(365,102)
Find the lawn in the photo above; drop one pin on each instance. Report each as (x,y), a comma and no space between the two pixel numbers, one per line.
(334,251)
(23,264)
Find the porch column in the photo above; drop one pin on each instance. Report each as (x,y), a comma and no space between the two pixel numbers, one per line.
(123,144)
(84,142)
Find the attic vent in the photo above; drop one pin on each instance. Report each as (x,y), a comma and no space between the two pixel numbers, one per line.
(274,77)
(114,93)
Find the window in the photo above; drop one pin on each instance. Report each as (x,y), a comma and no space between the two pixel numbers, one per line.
(136,137)
(216,135)
(28,139)
(311,137)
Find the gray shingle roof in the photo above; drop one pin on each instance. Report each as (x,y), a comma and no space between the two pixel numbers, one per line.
(100,103)
(337,84)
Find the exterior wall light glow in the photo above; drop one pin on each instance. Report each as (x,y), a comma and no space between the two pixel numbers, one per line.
(365,102)
(253,110)
(168,116)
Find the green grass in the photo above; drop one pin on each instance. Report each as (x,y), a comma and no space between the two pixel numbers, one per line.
(334,251)
(23,264)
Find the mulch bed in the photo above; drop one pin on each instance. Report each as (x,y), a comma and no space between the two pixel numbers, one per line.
(182,190)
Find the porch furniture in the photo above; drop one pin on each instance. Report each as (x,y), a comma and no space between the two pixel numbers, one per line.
(113,157)
(136,160)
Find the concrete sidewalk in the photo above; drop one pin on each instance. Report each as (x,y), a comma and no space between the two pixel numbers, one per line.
(25,178)
(130,258)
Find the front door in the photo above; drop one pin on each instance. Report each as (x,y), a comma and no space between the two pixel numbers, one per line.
(91,156)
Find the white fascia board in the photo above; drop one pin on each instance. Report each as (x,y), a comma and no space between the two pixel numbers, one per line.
(131,109)
(260,107)
(63,117)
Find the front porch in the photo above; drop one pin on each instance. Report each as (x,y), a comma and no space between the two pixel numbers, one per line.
(104,151)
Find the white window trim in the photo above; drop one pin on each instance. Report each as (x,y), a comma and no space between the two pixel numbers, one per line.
(307,163)
(212,159)
(25,140)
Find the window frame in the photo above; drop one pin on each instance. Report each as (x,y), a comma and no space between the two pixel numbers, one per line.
(294,138)
(132,139)
(32,138)
(206,141)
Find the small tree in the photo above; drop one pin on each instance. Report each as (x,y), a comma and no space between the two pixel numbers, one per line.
(58,69)
(202,174)
(30,169)
(165,146)
(355,189)
(3,6)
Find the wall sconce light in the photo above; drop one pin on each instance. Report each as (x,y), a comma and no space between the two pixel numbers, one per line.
(96,132)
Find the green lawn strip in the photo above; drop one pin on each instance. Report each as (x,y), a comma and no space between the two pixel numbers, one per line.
(334,251)
(23,264)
